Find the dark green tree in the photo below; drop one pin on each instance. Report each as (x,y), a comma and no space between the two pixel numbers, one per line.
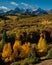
(4,34)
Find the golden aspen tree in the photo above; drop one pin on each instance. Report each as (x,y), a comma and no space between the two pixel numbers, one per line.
(25,50)
(42,45)
(7,51)
(16,48)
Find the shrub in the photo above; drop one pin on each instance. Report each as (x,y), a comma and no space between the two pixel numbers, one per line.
(33,55)
(49,55)
(24,62)
(31,59)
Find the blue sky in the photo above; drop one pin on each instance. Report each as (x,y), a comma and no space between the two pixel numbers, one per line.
(11,4)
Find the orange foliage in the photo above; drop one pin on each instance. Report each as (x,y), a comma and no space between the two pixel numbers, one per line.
(7,50)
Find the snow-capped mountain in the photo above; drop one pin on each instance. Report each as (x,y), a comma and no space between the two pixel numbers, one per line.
(39,11)
(35,11)
(3,11)
(32,11)
(14,11)
(28,11)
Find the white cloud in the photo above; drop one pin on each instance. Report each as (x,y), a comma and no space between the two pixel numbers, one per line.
(14,3)
(4,8)
(25,4)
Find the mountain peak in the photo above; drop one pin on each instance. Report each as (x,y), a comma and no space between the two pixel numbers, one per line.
(32,11)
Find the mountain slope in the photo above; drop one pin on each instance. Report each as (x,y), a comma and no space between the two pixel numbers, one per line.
(39,11)
(35,11)
(32,11)
(2,11)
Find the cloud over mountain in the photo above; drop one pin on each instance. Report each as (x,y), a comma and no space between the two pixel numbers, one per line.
(14,3)
(4,8)
(25,4)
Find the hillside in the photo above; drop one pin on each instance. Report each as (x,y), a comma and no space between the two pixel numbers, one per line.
(25,21)
(25,38)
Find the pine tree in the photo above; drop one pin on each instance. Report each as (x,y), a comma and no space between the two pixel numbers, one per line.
(4,34)
(3,38)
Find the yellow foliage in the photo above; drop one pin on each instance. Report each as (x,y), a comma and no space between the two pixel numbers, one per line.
(46,22)
(16,47)
(17,44)
(6,60)
(7,50)
(42,46)
(21,50)
(25,50)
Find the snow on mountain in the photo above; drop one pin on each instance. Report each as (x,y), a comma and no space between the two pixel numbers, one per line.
(32,11)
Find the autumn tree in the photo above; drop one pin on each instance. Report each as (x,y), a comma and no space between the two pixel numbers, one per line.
(16,48)
(42,44)
(7,52)
(26,49)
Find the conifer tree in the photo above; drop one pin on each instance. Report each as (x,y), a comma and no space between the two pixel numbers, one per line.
(4,34)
